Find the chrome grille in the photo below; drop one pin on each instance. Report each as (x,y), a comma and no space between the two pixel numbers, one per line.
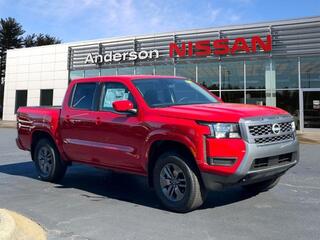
(268,130)
(274,139)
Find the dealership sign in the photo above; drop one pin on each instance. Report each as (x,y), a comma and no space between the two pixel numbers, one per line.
(201,48)
(109,57)
(220,47)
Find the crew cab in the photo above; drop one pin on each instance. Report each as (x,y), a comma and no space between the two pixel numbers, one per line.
(184,139)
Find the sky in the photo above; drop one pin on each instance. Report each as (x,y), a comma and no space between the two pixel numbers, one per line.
(77,20)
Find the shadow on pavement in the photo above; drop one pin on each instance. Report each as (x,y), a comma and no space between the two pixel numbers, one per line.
(100,184)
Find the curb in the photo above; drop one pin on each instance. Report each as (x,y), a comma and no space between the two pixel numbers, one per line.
(14,226)
(7,225)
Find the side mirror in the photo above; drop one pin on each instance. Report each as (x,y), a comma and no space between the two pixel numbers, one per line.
(124,106)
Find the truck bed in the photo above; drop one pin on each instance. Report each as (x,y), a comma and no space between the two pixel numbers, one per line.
(29,119)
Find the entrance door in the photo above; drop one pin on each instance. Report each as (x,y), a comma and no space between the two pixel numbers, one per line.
(311,109)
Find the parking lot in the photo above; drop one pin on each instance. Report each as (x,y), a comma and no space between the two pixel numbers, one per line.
(97,204)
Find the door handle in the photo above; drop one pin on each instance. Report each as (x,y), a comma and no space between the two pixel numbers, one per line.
(98,121)
(67,119)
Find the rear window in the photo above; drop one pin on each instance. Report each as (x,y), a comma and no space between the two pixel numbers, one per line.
(83,96)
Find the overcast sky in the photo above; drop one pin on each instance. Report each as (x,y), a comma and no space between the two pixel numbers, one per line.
(75,20)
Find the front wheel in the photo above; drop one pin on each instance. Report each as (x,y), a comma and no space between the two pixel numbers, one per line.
(262,186)
(47,161)
(176,183)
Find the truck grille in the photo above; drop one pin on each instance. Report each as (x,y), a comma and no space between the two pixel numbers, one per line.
(266,129)
(269,130)
(274,139)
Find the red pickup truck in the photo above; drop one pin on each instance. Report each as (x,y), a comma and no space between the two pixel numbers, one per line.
(175,132)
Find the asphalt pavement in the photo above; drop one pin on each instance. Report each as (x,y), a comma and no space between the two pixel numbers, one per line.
(97,204)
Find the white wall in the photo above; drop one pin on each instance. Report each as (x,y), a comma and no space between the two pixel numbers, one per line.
(33,69)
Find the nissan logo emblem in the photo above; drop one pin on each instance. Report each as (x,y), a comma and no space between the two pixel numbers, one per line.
(276,129)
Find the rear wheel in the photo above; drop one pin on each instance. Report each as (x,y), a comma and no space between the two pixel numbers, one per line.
(176,183)
(262,186)
(47,161)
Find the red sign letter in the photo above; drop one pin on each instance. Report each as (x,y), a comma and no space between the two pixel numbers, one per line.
(221,46)
(203,48)
(265,46)
(240,44)
(174,49)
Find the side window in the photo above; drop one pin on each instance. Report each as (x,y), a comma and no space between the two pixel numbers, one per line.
(112,92)
(83,96)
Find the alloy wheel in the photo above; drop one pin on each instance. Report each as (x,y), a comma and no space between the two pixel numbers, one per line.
(173,182)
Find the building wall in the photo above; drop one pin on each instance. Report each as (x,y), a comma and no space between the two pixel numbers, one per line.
(34,69)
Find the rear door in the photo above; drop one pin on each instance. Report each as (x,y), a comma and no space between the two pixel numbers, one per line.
(78,122)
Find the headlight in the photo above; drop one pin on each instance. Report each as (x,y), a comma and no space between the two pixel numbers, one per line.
(293,125)
(224,130)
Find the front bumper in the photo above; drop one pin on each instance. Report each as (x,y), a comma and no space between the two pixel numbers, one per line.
(245,174)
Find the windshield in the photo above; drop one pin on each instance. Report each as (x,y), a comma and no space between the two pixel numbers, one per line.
(165,92)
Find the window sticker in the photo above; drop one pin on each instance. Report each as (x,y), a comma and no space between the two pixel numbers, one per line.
(114,94)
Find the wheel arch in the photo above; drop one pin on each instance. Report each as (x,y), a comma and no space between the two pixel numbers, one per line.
(158,147)
(35,138)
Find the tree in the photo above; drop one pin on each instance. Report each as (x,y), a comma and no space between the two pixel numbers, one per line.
(33,40)
(10,37)
(30,40)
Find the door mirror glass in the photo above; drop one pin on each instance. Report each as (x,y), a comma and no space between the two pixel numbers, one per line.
(123,106)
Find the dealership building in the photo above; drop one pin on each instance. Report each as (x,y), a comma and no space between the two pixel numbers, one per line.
(272,63)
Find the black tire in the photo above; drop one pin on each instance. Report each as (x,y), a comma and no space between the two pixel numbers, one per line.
(193,194)
(262,186)
(47,160)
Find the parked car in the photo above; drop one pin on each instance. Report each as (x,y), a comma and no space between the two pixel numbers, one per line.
(184,139)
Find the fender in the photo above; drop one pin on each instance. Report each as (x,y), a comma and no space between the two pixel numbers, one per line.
(166,135)
(53,133)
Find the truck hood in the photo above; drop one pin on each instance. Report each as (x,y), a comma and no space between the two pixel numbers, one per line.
(219,112)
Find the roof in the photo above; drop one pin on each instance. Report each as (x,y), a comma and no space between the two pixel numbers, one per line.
(123,77)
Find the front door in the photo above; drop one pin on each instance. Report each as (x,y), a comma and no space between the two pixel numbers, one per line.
(120,135)
(311,109)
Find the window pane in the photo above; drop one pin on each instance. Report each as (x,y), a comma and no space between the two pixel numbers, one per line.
(92,73)
(186,70)
(114,92)
(83,96)
(166,70)
(256,97)
(108,72)
(286,73)
(289,101)
(170,92)
(311,109)
(233,96)
(46,97)
(208,75)
(144,70)
(232,75)
(76,74)
(310,72)
(21,99)
(126,71)
(255,74)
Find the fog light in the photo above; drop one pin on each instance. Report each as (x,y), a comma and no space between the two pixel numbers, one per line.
(221,161)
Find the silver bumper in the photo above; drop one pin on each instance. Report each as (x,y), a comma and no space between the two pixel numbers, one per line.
(246,175)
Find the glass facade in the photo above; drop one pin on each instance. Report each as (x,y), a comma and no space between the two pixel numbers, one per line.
(208,75)
(147,70)
(186,70)
(310,72)
(232,75)
(268,81)
(108,72)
